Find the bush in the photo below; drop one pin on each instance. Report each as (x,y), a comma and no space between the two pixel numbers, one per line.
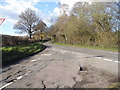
(8,40)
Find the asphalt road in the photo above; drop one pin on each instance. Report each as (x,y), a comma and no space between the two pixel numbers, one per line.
(99,53)
(60,67)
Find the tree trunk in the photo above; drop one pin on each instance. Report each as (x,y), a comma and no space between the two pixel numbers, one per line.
(30,36)
(41,38)
(30,33)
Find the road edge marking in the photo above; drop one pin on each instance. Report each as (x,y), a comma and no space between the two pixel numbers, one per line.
(6,85)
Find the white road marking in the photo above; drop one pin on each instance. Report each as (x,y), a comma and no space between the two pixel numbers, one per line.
(6,85)
(77,53)
(107,52)
(53,49)
(33,60)
(104,59)
(113,53)
(63,51)
(73,52)
(107,59)
(45,54)
(20,77)
(116,61)
(26,74)
(98,57)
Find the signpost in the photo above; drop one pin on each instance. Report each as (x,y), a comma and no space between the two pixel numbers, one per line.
(2,20)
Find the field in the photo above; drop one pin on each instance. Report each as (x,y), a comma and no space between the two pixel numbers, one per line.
(12,53)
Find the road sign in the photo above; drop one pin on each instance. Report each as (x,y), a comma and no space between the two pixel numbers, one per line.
(2,20)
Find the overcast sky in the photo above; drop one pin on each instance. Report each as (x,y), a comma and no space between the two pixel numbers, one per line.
(45,9)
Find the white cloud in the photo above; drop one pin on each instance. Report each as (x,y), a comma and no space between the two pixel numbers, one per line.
(35,1)
(50,19)
(13,8)
(47,21)
(56,11)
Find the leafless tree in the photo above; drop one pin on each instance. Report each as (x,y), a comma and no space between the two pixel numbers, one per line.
(27,21)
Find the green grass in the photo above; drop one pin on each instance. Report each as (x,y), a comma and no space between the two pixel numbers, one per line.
(11,53)
(116,85)
(85,46)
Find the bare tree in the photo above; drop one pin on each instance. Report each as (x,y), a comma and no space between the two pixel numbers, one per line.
(27,21)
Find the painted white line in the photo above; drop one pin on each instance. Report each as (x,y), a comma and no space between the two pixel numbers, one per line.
(98,57)
(107,52)
(53,49)
(107,59)
(64,52)
(33,60)
(20,77)
(114,52)
(45,54)
(25,74)
(75,53)
(29,71)
(116,61)
(6,85)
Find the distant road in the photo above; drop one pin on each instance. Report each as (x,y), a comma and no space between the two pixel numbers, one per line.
(100,53)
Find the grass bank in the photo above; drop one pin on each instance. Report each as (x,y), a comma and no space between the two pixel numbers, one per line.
(116,85)
(12,53)
(84,46)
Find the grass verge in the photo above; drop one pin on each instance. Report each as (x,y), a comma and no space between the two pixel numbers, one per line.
(12,53)
(85,46)
(116,85)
